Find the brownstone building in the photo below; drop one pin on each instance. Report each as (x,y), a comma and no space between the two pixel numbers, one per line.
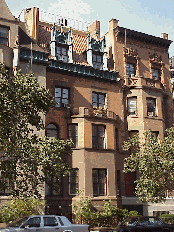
(142,61)
(105,89)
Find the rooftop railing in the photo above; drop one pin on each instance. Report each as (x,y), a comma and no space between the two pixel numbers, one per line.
(58,19)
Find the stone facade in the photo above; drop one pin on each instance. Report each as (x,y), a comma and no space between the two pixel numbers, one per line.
(137,56)
(105,90)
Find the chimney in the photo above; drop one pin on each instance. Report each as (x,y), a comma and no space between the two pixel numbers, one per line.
(94,30)
(164,35)
(31,20)
(113,23)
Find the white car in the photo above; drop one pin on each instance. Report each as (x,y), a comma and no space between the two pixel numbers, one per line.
(45,223)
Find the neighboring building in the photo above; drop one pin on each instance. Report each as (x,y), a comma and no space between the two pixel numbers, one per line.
(171,63)
(142,61)
(105,89)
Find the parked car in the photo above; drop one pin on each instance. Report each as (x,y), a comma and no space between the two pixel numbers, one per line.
(144,223)
(45,223)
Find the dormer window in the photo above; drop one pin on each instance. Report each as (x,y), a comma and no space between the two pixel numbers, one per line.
(4,35)
(62,53)
(97,61)
(96,53)
(61,45)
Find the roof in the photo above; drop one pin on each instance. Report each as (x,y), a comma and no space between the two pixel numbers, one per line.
(142,36)
(79,43)
(25,40)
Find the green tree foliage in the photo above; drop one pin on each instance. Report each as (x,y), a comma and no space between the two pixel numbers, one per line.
(154,161)
(24,156)
(17,208)
(108,216)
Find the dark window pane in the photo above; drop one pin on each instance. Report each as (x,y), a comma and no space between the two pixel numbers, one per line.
(151,106)
(155,74)
(62,97)
(99,181)
(132,105)
(4,35)
(98,136)
(98,99)
(73,181)
(73,133)
(50,221)
(52,131)
(130,69)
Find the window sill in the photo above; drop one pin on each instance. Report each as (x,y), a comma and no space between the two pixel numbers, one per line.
(133,116)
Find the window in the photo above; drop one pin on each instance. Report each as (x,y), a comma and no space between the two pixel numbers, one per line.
(62,54)
(118,183)
(73,133)
(132,105)
(62,97)
(50,221)
(117,139)
(130,69)
(97,61)
(155,134)
(4,35)
(151,107)
(98,99)
(52,131)
(52,189)
(5,185)
(32,222)
(98,136)
(155,74)
(99,178)
(73,181)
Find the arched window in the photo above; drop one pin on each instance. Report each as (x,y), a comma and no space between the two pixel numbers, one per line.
(52,131)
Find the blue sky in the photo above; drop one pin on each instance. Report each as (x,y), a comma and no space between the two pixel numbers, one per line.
(147,16)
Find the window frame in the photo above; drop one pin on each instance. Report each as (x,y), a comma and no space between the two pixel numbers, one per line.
(7,190)
(62,104)
(97,64)
(117,147)
(130,109)
(153,112)
(50,191)
(56,129)
(98,100)
(97,137)
(98,183)
(76,183)
(62,57)
(128,69)
(156,71)
(4,38)
(75,136)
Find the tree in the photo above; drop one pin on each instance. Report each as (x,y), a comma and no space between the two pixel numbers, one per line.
(17,208)
(154,161)
(26,158)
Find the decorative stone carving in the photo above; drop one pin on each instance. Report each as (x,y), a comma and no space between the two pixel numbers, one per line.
(133,81)
(130,52)
(155,58)
(150,82)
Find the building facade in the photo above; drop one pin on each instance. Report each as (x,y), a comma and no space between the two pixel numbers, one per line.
(142,61)
(106,89)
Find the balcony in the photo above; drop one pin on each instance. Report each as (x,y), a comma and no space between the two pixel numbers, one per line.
(95,113)
(142,81)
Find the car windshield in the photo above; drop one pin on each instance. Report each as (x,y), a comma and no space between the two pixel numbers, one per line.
(17,222)
(130,221)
